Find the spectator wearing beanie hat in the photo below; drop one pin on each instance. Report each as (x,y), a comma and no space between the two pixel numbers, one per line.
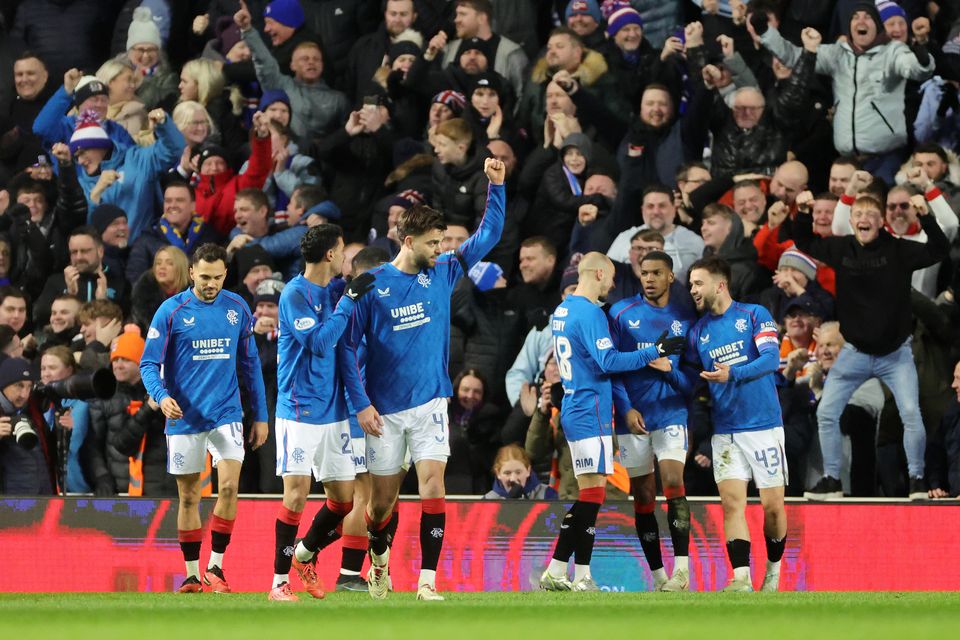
(584,18)
(86,93)
(137,191)
(275,104)
(490,113)
(253,265)
(795,282)
(26,472)
(127,446)
(281,19)
(157,83)
(111,222)
(894,20)
(317,109)
(630,57)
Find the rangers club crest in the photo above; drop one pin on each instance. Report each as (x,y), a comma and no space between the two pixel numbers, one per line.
(741,325)
(423,280)
(676,327)
(233,317)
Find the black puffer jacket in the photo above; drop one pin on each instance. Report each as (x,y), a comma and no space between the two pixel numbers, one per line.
(762,148)
(461,192)
(493,331)
(115,436)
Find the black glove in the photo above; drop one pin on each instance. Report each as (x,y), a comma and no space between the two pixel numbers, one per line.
(669,346)
(103,488)
(759,20)
(948,101)
(515,491)
(920,50)
(359,286)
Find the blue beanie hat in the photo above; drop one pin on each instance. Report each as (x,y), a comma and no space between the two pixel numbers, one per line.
(286,12)
(890,10)
(622,15)
(274,95)
(583,7)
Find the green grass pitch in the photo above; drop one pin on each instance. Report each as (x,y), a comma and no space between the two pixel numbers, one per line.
(520,616)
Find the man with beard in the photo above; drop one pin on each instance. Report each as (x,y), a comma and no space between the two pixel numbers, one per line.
(407,338)
(200,341)
(734,348)
(369,52)
(586,357)
(473,20)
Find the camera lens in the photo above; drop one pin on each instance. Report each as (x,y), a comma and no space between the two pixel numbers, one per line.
(24,433)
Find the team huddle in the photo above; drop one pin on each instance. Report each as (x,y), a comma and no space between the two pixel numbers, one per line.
(363,388)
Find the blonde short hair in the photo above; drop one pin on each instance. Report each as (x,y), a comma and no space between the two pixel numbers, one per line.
(209,78)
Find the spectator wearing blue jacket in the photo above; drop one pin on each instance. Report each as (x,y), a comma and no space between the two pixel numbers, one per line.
(86,93)
(127,178)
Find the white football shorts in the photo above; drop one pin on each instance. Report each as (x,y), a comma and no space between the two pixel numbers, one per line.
(592,455)
(637,452)
(325,450)
(187,452)
(756,455)
(424,430)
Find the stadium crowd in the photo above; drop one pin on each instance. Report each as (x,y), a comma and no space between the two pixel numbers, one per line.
(132,132)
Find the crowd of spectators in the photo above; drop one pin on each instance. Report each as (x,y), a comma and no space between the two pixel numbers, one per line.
(134,131)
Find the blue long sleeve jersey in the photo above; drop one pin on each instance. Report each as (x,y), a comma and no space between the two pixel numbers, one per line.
(193,352)
(309,373)
(745,338)
(406,323)
(636,324)
(586,358)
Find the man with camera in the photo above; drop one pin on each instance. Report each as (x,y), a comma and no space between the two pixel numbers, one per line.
(85,277)
(24,466)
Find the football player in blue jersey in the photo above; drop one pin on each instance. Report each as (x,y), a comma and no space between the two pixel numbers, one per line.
(406,326)
(586,357)
(656,391)
(313,431)
(735,347)
(354,538)
(197,342)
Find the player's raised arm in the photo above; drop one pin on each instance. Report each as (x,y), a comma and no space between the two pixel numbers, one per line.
(488,232)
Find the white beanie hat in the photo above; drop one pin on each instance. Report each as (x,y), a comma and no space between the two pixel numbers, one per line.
(143,30)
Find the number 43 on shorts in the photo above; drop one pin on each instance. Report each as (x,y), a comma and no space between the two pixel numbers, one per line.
(771,463)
